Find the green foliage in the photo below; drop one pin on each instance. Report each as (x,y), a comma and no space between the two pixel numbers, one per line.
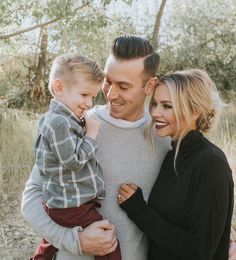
(77,29)
(202,34)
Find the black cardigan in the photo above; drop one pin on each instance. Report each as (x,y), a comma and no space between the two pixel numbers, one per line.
(188,214)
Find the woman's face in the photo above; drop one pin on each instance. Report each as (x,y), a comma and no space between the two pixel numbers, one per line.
(162,112)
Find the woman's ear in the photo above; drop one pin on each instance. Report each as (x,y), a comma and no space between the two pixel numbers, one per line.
(196,115)
(150,86)
(57,87)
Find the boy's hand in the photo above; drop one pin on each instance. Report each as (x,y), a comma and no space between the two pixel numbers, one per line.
(92,126)
(126,191)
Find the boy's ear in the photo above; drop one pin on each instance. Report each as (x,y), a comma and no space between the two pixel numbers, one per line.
(57,87)
(150,86)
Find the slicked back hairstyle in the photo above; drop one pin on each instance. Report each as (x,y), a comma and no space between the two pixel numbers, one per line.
(129,47)
(65,66)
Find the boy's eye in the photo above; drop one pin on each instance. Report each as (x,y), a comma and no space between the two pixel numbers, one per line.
(84,95)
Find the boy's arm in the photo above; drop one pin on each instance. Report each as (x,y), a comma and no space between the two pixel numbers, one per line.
(33,212)
(71,150)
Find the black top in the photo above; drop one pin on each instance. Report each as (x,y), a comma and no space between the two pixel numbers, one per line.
(188,214)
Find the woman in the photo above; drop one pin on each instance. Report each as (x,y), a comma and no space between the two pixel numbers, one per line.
(189,210)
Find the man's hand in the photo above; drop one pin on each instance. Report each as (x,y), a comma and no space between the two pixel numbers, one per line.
(98,238)
(126,191)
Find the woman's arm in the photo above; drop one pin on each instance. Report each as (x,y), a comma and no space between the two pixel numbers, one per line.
(206,219)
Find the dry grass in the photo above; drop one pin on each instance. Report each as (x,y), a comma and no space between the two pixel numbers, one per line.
(17,133)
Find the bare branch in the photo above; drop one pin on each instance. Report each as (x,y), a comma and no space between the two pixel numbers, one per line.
(157,25)
(9,35)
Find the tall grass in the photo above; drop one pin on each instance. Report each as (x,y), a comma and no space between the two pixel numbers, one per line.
(17,134)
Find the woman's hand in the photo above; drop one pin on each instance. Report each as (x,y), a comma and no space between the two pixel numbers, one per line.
(126,191)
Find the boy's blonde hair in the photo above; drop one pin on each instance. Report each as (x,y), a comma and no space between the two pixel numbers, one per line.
(192,92)
(65,66)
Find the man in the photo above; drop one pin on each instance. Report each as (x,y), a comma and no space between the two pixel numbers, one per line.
(124,155)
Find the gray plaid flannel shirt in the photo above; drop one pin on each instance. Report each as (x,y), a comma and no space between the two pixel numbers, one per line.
(66,160)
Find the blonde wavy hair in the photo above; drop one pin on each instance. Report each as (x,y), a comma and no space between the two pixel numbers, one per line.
(192,92)
(65,66)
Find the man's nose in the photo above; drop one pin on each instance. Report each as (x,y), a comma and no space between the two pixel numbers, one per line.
(112,93)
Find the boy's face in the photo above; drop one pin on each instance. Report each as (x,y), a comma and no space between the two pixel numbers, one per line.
(79,95)
(124,88)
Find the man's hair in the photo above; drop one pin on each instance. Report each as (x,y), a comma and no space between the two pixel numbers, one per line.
(65,66)
(130,47)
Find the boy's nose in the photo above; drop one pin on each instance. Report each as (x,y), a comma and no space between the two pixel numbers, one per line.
(89,103)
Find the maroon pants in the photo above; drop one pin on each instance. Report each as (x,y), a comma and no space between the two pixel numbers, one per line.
(71,217)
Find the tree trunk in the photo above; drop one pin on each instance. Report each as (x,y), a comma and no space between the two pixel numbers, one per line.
(38,90)
(157,25)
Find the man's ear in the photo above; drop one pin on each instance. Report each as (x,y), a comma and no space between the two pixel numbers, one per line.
(58,87)
(150,86)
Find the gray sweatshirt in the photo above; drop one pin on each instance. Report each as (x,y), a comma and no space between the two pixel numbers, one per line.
(125,157)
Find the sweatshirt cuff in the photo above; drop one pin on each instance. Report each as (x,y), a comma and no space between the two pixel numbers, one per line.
(79,229)
(135,204)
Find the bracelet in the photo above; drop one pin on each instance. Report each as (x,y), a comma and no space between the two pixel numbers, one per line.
(80,229)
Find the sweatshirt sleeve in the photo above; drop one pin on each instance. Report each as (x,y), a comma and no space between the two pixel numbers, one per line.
(32,210)
(206,219)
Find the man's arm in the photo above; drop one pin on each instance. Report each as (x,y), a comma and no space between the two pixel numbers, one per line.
(33,212)
(97,239)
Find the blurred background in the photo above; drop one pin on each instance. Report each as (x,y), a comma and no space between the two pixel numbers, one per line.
(186,34)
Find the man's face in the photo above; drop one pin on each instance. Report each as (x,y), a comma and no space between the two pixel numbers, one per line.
(124,89)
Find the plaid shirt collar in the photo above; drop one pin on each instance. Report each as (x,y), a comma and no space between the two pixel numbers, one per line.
(58,107)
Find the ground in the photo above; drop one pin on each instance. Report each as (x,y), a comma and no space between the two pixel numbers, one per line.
(17,239)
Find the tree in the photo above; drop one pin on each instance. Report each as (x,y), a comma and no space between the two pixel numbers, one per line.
(71,26)
(37,91)
(202,34)
(157,25)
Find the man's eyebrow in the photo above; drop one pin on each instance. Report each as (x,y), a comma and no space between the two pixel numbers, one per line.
(124,83)
(120,82)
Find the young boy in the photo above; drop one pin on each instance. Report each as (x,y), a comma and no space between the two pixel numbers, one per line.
(66,147)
